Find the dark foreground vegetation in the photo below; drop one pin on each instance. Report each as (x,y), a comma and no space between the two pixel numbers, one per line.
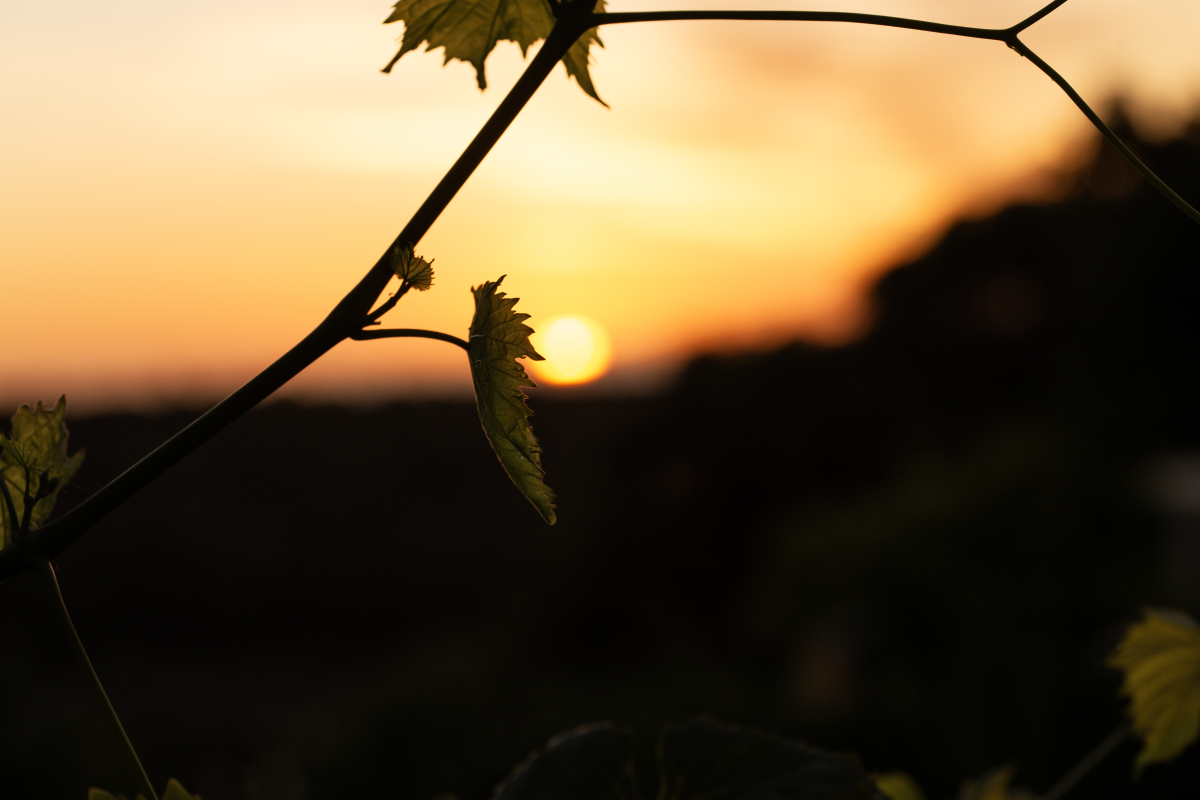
(918,547)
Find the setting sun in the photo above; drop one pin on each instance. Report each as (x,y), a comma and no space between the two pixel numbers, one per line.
(576,348)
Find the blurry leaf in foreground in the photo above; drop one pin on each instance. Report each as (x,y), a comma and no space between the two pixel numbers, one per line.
(498,337)
(898,786)
(174,792)
(1160,657)
(413,269)
(35,450)
(468,30)
(704,759)
(994,786)
(593,762)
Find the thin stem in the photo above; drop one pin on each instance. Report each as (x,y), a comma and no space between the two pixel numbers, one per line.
(373,317)
(1088,762)
(798,16)
(26,505)
(417,333)
(1154,180)
(347,317)
(1037,16)
(47,572)
(14,522)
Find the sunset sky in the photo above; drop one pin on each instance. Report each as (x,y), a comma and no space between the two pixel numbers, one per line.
(189,187)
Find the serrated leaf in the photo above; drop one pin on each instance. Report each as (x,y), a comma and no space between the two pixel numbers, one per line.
(176,792)
(413,269)
(995,785)
(1160,657)
(705,759)
(468,30)
(898,786)
(592,762)
(498,337)
(35,450)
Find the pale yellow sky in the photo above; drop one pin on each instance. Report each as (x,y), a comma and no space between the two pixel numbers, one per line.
(188,188)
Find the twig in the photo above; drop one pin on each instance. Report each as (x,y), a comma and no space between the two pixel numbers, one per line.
(1085,765)
(416,333)
(47,572)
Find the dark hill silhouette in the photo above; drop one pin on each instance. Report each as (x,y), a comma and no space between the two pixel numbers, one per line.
(918,546)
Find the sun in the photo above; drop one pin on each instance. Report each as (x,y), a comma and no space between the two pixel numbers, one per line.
(576,348)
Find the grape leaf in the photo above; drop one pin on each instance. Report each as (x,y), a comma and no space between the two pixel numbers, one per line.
(33,460)
(1160,657)
(413,269)
(709,760)
(174,792)
(498,337)
(994,786)
(898,786)
(468,30)
(592,762)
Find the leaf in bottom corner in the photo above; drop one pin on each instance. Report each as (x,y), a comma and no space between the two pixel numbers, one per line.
(706,759)
(592,762)
(1160,657)
(498,337)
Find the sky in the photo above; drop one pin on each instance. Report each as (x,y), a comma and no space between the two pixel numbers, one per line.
(189,188)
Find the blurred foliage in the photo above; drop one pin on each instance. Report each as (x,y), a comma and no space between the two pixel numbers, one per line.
(1160,657)
(34,465)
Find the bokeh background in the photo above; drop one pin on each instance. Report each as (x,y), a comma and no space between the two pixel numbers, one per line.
(899,433)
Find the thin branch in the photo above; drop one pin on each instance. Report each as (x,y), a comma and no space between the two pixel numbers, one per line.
(1154,180)
(798,16)
(45,569)
(373,317)
(1088,762)
(404,333)
(345,319)
(1033,18)
(13,519)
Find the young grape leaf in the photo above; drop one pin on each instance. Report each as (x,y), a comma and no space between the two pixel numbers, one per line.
(1160,657)
(413,269)
(705,759)
(468,30)
(498,337)
(592,762)
(174,792)
(898,786)
(994,786)
(34,461)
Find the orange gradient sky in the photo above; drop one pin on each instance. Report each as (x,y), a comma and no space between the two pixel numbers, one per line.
(188,188)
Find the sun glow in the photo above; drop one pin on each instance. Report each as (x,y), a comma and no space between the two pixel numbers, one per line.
(576,348)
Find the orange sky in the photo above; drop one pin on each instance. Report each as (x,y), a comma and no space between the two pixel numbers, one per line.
(188,188)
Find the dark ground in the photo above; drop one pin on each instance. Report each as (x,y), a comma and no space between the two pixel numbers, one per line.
(918,547)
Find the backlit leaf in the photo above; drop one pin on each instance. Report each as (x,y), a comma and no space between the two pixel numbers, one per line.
(468,30)
(35,451)
(705,759)
(413,269)
(176,792)
(498,337)
(593,762)
(1160,657)
(898,786)
(995,785)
